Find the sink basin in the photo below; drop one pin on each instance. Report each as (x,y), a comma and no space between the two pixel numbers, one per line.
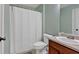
(68,41)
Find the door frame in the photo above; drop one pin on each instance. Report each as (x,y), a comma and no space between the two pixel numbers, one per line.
(2,35)
(12,48)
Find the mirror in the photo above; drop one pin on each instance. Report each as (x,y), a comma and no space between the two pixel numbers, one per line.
(61,18)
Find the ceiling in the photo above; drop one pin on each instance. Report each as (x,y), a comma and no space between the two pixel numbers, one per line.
(27,6)
(33,6)
(36,5)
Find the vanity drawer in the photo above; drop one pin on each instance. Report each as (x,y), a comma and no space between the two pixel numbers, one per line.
(60,48)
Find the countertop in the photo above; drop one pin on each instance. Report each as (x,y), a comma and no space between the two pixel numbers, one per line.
(73,47)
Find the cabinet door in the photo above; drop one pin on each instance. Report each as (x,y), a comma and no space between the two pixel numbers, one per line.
(53,50)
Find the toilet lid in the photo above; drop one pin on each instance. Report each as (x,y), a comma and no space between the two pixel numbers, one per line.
(40,43)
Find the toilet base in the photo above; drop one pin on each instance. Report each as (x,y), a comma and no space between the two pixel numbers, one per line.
(43,51)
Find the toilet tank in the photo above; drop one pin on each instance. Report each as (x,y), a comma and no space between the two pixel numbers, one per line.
(46,40)
(46,36)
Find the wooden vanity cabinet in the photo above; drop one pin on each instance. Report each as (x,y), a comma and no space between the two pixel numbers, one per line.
(56,48)
(53,50)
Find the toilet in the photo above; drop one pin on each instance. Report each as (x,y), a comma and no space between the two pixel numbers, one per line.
(42,47)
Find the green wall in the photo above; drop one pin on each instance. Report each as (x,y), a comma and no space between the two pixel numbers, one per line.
(66,18)
(39,8)
(52,14)
(51,21)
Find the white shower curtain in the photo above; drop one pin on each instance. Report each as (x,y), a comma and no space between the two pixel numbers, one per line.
(26,29)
